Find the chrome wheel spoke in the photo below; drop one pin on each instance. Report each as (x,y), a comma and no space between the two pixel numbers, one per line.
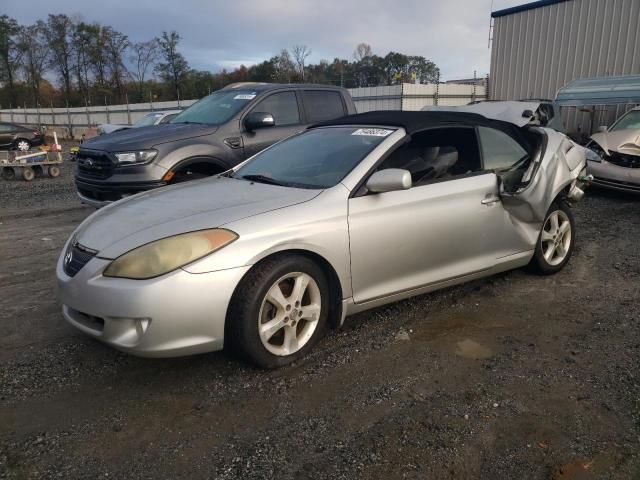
(546,236)
(564,228)
(299,287)
(310,313)
(269,329)
(276,298)
(290,344)
(549,253)
(554,222)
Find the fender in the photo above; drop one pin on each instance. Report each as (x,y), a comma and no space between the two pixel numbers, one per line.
(200,159)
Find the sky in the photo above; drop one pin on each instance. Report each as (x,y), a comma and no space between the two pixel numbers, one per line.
(220,34)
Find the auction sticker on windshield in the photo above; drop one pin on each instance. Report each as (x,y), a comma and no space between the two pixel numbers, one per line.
(373,132)
(245,96)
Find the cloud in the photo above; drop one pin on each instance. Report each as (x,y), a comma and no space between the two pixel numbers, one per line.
(217,34)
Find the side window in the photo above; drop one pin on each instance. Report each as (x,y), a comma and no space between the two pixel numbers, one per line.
(437,154)
(322,105)
(283,106)
(499,150)
(5,128)
(168,117)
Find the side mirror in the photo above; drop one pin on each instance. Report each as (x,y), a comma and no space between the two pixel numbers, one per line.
(527,113)
(602,128)
(256,120)
(389,180)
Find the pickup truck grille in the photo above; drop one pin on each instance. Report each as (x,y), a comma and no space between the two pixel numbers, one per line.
(624,160)
(94,164)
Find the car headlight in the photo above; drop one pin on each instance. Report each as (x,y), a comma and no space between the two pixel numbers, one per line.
(163,256)
(140,156)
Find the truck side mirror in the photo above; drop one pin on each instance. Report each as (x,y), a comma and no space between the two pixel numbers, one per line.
(256,120)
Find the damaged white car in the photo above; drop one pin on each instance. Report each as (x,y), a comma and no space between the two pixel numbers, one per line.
(343,217)
(615,158)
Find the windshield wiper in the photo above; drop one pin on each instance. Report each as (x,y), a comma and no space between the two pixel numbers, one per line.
(263,179)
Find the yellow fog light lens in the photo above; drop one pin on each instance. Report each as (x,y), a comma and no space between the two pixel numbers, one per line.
(163,256)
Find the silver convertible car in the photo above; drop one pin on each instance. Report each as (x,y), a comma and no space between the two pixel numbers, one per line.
(343,217)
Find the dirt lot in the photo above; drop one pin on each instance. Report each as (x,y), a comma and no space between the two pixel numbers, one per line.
(516,376)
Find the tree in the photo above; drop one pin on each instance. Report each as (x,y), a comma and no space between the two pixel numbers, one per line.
(144,55)
(175,67)
(83,39)
(116,44)
(362,51)
(10,53)
(283,66)
(300,54)
(33,43)
(59,34)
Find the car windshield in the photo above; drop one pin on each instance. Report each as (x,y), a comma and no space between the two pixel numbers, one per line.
(630,121)
(318,158)
(149,119)
(216,108)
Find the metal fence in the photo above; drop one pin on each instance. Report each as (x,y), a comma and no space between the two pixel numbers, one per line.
(73,122)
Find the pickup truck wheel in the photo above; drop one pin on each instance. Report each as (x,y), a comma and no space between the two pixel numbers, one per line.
(556,240)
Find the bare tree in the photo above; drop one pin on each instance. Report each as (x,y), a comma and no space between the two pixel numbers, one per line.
(59,34)
(175,67)
(33,43)
(116,44)
(10,52)
(300,54)
(283,66)
(144,55)
(362,51)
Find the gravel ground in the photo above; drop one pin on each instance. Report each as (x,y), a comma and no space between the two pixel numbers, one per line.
(515,376)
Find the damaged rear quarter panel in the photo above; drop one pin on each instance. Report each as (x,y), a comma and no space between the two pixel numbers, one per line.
(559,166)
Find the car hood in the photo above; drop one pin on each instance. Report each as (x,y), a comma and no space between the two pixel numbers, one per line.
(208,203)
(622,141)
(147,137)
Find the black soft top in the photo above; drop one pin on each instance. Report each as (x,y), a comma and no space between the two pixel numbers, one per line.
(416,121)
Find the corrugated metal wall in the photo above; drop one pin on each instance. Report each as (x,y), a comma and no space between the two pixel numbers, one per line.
(535,52)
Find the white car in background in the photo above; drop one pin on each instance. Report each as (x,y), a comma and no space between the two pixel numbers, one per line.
(153,118)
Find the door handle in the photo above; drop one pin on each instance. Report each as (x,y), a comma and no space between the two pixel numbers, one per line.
(490,200)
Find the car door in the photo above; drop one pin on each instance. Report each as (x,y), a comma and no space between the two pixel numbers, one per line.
(444,227)
(285,109)
(6,134)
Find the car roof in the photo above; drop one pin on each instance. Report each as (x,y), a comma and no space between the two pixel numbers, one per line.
(413,121)
(262,86)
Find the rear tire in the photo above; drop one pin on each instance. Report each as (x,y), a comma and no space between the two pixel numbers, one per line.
(22,144)
(54,171)
(28,174)
(291,294)
(556,240)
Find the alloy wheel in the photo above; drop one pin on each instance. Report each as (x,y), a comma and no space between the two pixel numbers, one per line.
(556,237)
(289,313)
(23,145)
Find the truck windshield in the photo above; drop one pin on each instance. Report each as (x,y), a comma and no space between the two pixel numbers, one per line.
(149,119)
(217,108)
(318,158)
(630,121)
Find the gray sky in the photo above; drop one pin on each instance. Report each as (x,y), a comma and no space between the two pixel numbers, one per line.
(217,33)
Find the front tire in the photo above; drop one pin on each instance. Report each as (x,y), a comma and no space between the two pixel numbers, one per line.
(556,240)
(279,311)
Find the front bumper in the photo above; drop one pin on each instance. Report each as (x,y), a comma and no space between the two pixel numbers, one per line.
(614,177)
(100,194)
(177,314)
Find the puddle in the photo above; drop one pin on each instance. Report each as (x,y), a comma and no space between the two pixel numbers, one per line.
(468,348)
